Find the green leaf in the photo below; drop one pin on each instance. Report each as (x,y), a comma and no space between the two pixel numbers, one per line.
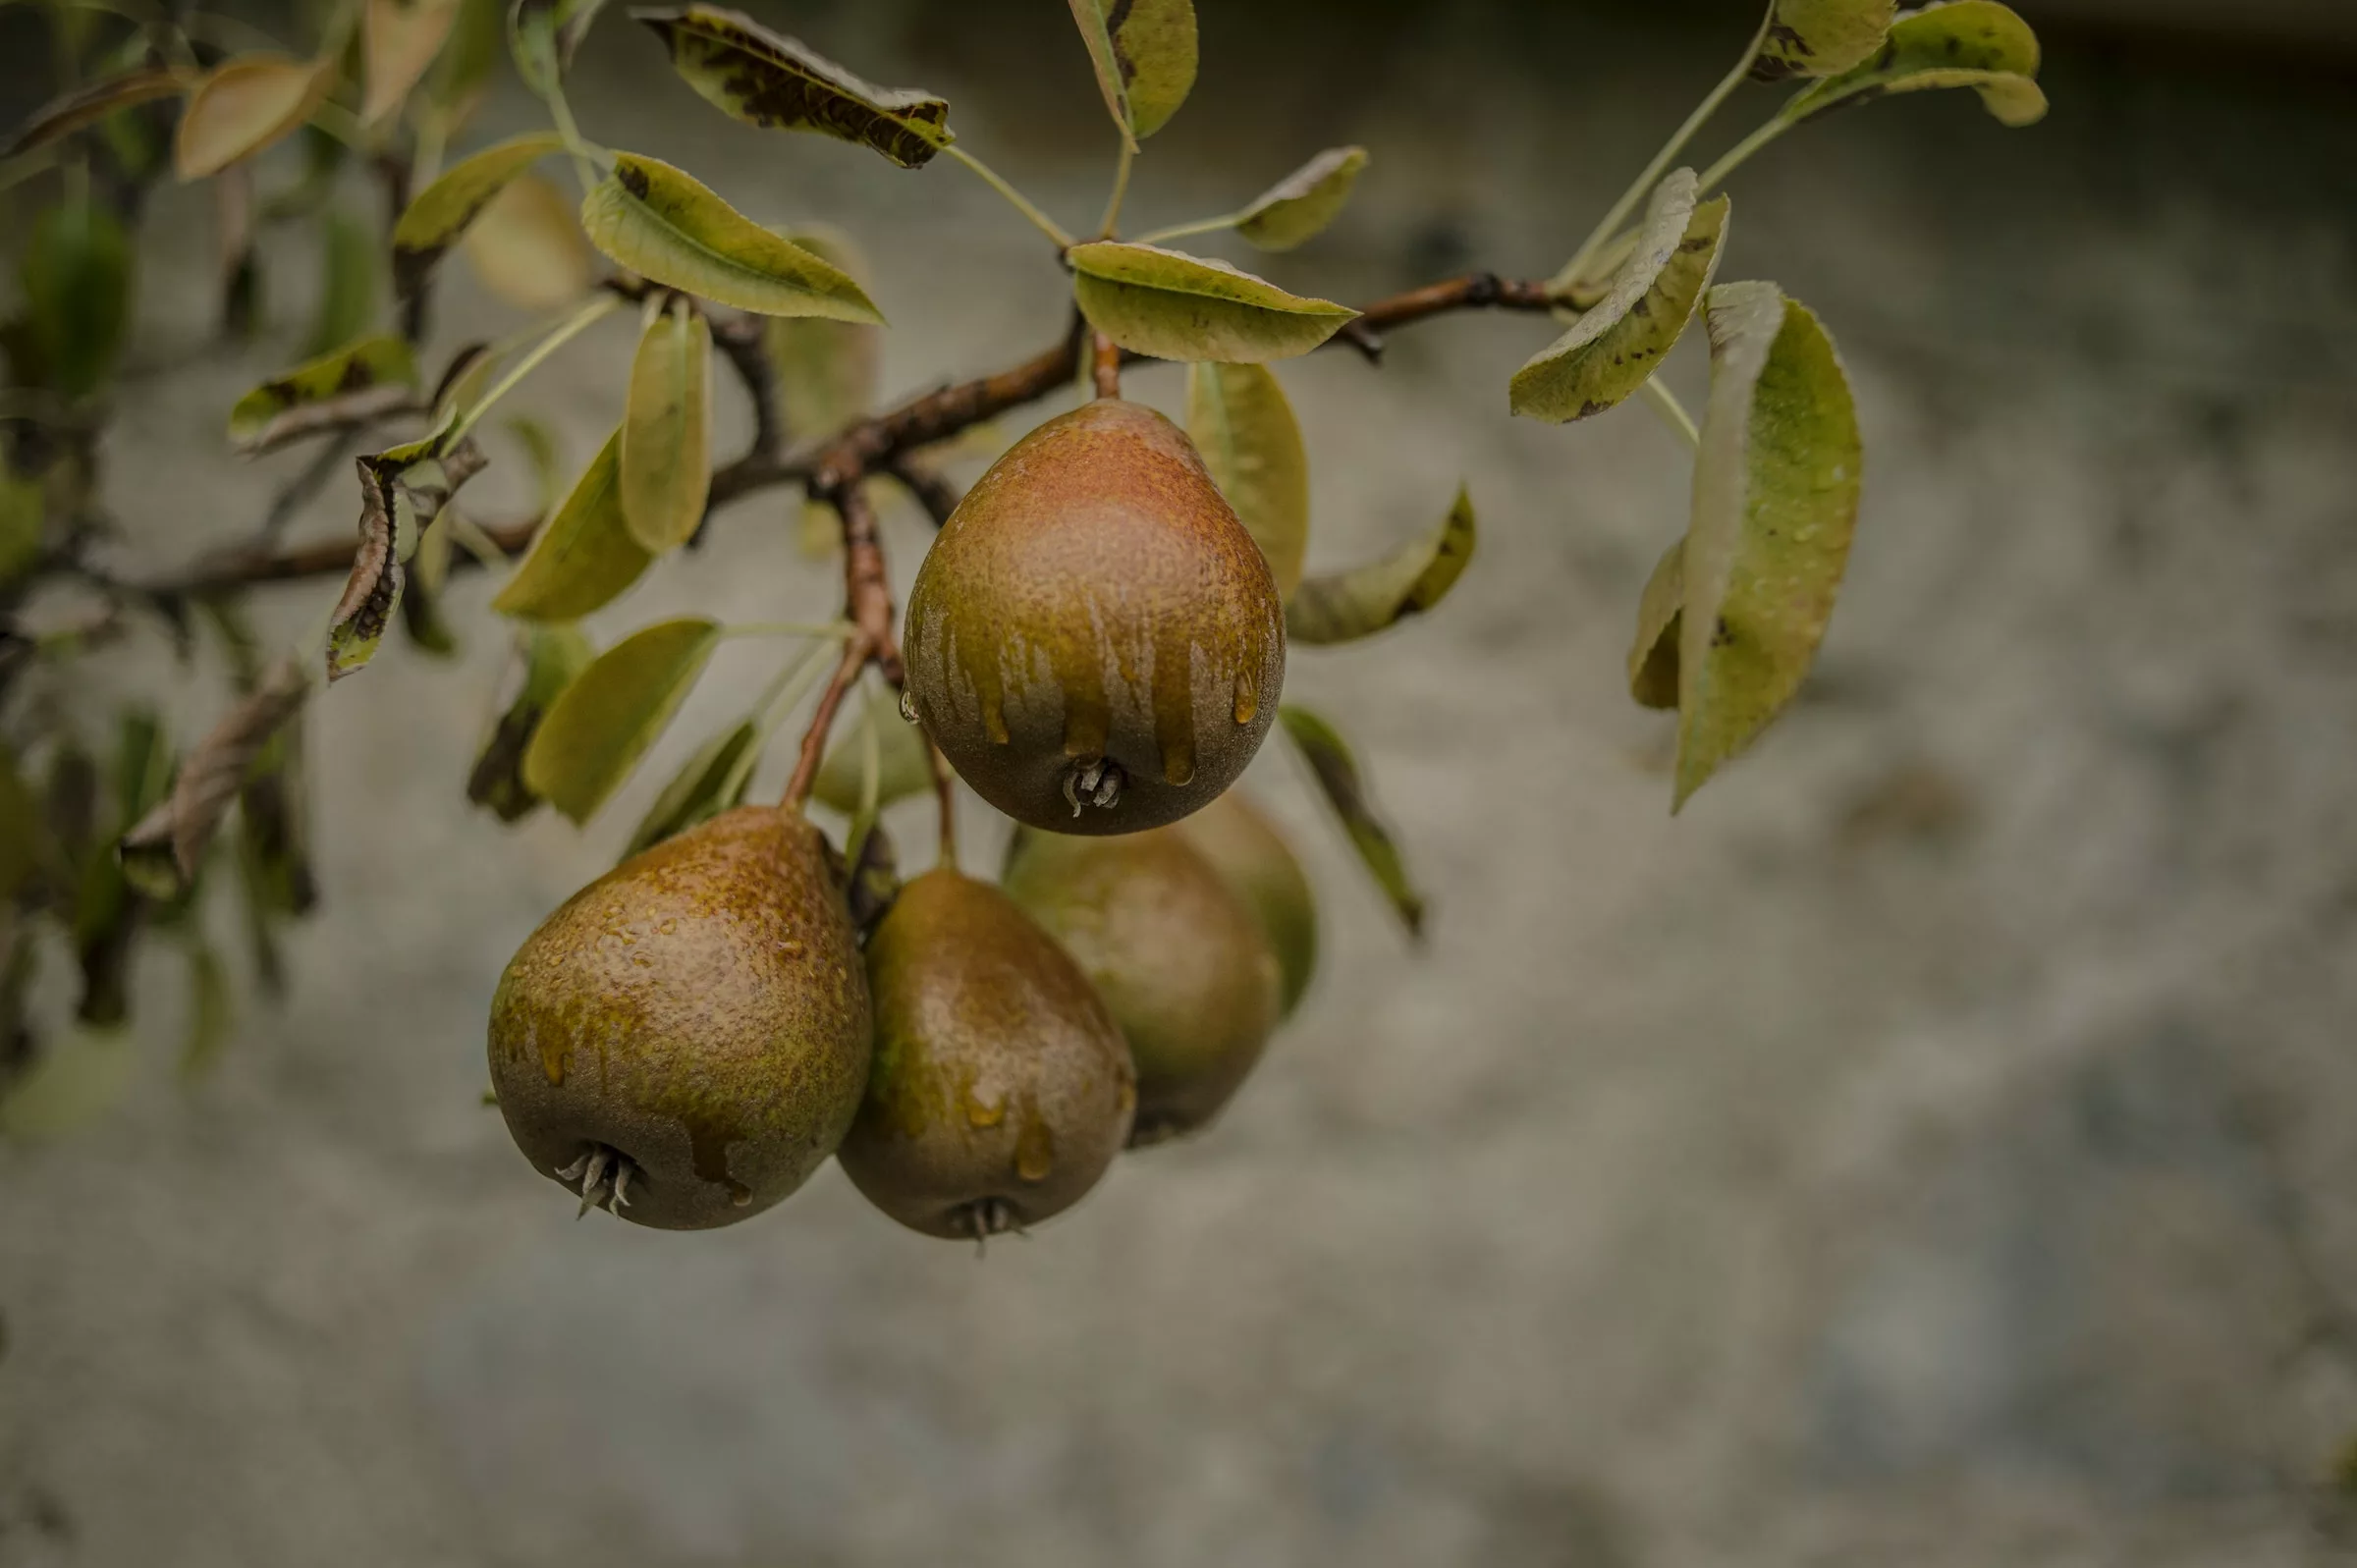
(660,223)
(400,39)
(348,282)
(1176,307)
(210,1012)
(163,850)
(90,104)
(827,372)
(1611,349)
(357,381)
(1302,203)
(440,213)
(666,460)
(1345,790)
(421,596)
(1652,656)
(1966,43)
(1143,52)
(20,848)
(1240,422)
(1821,37)
(24,523)
(77,272)
(74,1083)
(527,248)
(585,554)
(775,82)
(244,105)
(1775,500)
(542,34)
(712,781)
(107,909)
(474,52)
(554,656)
(1348,605)
(902,768)
(602,723)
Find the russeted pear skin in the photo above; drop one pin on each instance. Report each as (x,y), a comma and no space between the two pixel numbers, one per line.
(700,1012)
(1259,867)
(1178,959)
(1002,1089)
(1095,641)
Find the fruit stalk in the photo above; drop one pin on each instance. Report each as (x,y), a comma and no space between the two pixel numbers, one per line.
(1106,367)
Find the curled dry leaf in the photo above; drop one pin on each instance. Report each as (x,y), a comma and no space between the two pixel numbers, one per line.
(1175,306)
(767,79)
(527,248)
(1143,52)
(244,105)
(665,462)
(1344,606)
(1776,502)
(602,723)
(584,556)
(440,213)
(1611,349)
(1965,43)
(1344,790)
(666,226)
(552,656)
(1820,37)
(353,384)
(1240,421)
(163,850)
(400,39)
(92,102)
(1302,203)
(402,491)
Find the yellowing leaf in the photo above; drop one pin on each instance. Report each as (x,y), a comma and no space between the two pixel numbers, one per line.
(827,372)
(1240,421)
(710,782)
(1344,789)
(527,248)
(1775,500)
(1143,52)
(774,82)
(666,460)
(1966,43)
(1652,656)
(1303,202)
(554,655)
(903,770)
(90,104)
(663,225)
(75,1082)
(1821,37)
(585,554)
(1611,349)
(441,212)
(602,723)
(400,39)
(1176,307)
(1348,605)
(244,105)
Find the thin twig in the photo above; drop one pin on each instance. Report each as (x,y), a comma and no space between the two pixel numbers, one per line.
(934,490)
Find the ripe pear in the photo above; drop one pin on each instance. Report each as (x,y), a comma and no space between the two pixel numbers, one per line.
(688,1038)
(1001,1088)
(1095,641)
(1259,867)
(1175,952)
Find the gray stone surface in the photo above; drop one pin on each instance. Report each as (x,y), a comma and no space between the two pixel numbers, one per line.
(1928,1149)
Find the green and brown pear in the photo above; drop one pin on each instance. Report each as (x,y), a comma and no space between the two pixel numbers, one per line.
(687,1038)
(1175,953)
(1095,641)
(1259,867)
(1001,1089)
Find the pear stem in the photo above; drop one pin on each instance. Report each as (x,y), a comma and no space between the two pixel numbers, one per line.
(944,790)
(1106,367)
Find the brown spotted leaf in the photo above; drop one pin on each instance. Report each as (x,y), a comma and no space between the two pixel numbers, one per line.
(351,385)
(440,213)
(163,850)
(1143,52)
(666,226)
(402,491)
(1966,43)
(1344,606)
(1821,37)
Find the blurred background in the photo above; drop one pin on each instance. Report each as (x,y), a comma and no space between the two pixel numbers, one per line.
(1934,1147)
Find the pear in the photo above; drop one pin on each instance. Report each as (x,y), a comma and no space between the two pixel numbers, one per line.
(1259,867)
(1175,953)
(688,1038)
(1095,641)
(1001,1088)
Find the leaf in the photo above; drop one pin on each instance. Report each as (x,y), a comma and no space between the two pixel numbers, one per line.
(1337,777)
(1821,37)
(400,39)
(1652,656)
(585,554)
(527,248)
(90,104)
(902,768)
(476,43)
(163,850)
(665,464)
(712,781)
(1143,52)
(72,1085)
(660,223)
(1176,307)
(440,213)
(1302,203)
(402,491)
(1775,500)
(1240,421)
(602,723)
(1345,605)
(826,371)
(1965,43)
(77,272)
(20,846)
(421,593)
(24,523)
(543,35)
(766,80)
(244,105)
(1618,345)
(107,909)
(210,1013)
(554,656)
(359,381)
(348,285)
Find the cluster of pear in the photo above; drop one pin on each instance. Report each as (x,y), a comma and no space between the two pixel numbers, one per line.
(1096,644)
